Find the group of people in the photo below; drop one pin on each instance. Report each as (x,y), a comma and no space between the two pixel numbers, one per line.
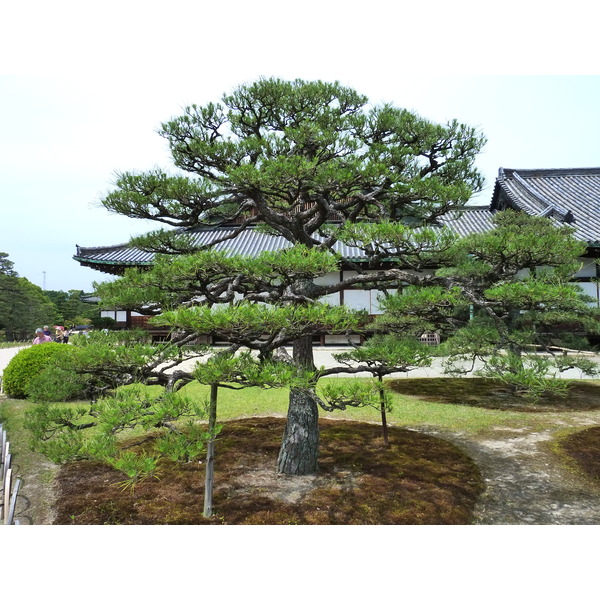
(43,334)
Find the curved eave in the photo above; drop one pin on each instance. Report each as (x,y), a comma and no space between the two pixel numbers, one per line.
(110,266)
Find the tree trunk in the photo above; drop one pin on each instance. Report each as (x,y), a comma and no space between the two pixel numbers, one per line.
(299,451)
(210,451)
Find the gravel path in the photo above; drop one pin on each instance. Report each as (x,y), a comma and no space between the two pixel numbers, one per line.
(6,355)
(526,483)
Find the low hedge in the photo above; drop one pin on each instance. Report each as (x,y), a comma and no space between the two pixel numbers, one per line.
(30,362)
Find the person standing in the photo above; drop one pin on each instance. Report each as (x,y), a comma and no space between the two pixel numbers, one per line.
(41,337)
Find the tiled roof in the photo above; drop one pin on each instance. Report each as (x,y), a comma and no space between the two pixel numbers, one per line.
(565,195)
(569,196)
(123,254)
(469,220)
(249,242)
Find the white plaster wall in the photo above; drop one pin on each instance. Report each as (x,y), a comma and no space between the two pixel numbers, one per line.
(588,268)
(590,288)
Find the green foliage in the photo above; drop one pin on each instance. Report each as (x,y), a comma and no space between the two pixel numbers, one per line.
(186,445)
(518,241)
(23,307)
(480,337)
(243,370)
(103,362)
(137,467)
(291,155)
(288,141)
(529,375)
(244,322)
(409,247)
(6,266)
(535,294)
(384,354)
(65,433)
(71,308)
(31,362)
(219,277)
(416,310)
(58,381)
(569,361)
(343,394)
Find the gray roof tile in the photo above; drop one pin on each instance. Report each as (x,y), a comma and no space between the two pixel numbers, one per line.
(249,242)
(469,220)
(554,193)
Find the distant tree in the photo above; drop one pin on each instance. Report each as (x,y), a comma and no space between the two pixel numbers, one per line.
(6,266)
(23,306)
(72,308)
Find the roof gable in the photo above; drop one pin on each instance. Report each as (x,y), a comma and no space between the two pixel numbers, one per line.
(570,196)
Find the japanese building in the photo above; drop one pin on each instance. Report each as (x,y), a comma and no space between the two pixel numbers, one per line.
(566,196)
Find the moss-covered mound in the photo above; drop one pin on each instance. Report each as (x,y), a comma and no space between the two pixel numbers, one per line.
(488,393)
(583,448)
(418,479)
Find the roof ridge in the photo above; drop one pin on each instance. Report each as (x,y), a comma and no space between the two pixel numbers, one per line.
(555,172)
(549,206)
(82,249)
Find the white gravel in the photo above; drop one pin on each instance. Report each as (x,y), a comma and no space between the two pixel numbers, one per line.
(324,356)
(6,355)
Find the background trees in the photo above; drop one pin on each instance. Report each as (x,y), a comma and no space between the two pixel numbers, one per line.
(23,305)
(72,308)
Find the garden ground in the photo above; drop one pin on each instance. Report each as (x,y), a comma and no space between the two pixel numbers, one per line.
(529,477)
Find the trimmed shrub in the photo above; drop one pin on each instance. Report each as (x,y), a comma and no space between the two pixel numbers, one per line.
(57,383)
(29,363)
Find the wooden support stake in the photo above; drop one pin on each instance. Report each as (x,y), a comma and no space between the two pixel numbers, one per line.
(7,494)
(13,502)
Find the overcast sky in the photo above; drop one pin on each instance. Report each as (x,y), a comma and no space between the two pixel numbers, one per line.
(82,95)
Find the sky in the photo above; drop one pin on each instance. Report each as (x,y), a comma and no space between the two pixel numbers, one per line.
(63,138)
(83,92)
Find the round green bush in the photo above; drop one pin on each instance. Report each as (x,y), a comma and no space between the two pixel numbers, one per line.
(28,363)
